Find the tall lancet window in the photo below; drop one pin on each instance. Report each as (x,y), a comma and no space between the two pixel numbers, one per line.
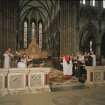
(25,34)
(92,2)
(33,30)
(83,1)
(103,3)
(40,35)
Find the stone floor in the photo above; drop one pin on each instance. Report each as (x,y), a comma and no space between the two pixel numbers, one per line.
(69,92)
(74,96)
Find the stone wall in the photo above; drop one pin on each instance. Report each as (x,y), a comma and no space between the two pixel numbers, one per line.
(8,18)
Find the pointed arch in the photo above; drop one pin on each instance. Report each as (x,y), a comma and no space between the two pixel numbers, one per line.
(87,34)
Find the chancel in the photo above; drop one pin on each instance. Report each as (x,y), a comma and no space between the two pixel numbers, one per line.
(46,35)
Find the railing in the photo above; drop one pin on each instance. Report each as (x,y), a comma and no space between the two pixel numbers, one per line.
(95,75)
(23,80)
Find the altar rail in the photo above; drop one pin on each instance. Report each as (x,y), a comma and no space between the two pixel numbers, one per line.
(95,75)
(23,80)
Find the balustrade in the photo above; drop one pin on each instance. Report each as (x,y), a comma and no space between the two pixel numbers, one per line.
(24,80)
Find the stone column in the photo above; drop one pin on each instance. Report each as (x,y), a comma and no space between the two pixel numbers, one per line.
(98,49)
(98,52)
(29,33)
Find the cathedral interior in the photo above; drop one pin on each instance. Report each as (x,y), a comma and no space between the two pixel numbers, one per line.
(60,26)
(58,29)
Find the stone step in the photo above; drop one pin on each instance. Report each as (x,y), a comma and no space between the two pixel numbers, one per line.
(66,86)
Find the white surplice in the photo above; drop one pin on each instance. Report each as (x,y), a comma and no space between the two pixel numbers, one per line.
(67,67)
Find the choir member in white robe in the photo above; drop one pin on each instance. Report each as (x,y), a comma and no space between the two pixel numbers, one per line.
(21,64)
(93,59)
(7,58)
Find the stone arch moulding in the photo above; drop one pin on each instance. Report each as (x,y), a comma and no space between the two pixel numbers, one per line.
(88,33)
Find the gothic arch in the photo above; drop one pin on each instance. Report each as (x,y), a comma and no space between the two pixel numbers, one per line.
(87,34)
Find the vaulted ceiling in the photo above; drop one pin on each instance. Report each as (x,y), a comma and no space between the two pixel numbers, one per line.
(44,10)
